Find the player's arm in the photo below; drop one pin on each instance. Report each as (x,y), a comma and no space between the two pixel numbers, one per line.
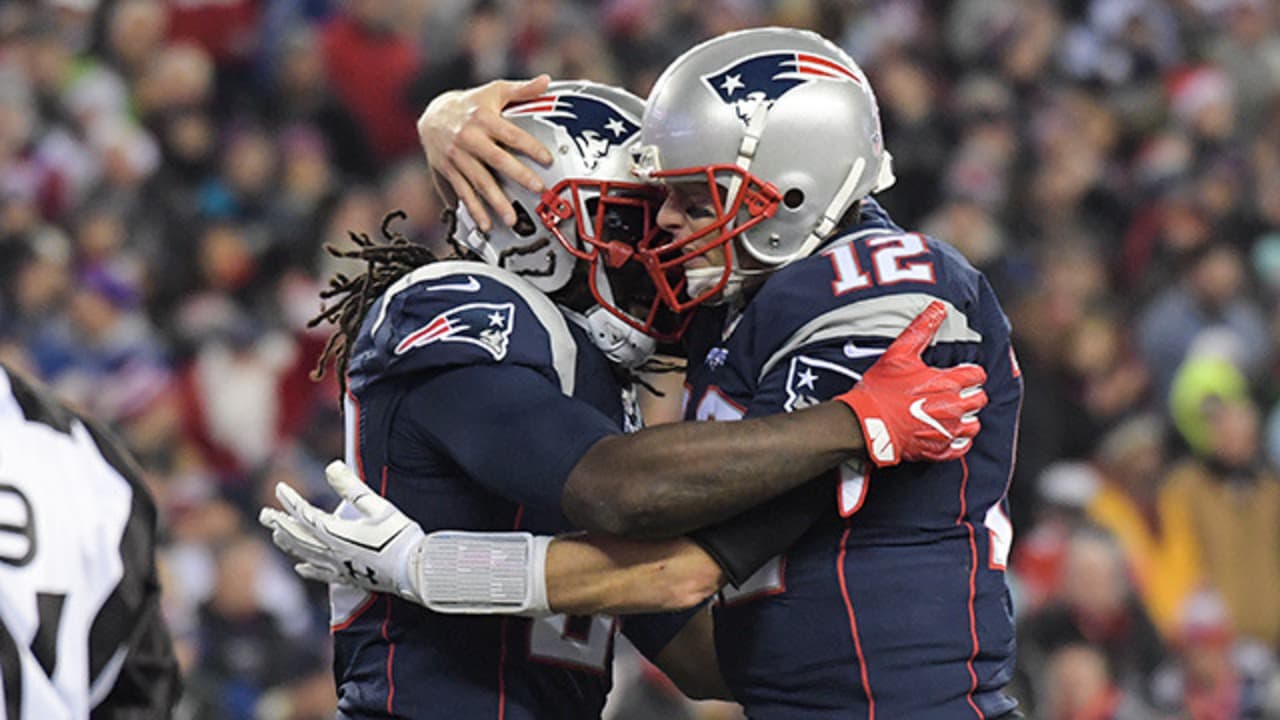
(594,573)
(387,540)
(512,430)
(380,549)
(671,479)
(590,574)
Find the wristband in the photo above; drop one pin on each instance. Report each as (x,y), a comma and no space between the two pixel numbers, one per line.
(473,573)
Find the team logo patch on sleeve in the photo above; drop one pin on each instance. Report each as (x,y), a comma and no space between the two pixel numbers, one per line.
(810,381)
(488,325)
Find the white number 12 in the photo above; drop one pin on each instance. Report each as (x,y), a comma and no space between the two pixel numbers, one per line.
(888,261)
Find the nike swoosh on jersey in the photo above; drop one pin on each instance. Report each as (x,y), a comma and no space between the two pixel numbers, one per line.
(852,351)
(471,285)
(917,412)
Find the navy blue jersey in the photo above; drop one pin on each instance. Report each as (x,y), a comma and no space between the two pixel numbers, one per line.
(894,605)
(471,397)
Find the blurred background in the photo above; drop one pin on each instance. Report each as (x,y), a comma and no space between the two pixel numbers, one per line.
(169,172)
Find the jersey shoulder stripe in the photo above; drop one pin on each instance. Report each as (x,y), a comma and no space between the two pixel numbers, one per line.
(460,312)
(868,283)
(885,317)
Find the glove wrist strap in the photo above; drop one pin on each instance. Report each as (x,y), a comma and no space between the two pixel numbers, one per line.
(876,436)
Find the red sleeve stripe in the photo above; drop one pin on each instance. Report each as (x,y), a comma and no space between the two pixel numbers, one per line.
(359,455)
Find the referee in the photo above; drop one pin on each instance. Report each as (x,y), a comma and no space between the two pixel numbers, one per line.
(81,634)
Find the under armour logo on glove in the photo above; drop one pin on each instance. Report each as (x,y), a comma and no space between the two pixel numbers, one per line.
(368,573)
(370,548)
(910,411)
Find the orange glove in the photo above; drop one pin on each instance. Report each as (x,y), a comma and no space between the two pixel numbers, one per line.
(910,411)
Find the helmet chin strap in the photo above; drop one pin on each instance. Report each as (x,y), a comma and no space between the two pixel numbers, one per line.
(621,343)
(843,198)
(747,151)
(830,215)
(834,211)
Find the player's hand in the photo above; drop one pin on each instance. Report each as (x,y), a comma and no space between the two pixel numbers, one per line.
(910,411)
(466,140)
(372,548)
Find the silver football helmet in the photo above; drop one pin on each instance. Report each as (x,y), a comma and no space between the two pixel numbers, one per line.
(583,226)
(784,127)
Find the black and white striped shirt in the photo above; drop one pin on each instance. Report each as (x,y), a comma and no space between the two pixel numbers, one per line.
(81,633)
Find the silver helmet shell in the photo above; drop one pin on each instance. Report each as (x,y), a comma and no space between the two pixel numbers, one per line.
(785,106)
(590,130)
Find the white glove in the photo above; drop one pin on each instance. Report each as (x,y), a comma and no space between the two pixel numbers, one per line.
(374,549)
(367,543)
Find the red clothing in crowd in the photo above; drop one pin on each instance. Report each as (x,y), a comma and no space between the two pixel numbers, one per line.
(369,71)
(227,29)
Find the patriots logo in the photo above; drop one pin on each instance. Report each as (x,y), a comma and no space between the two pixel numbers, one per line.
(488,325)
(594,124)
(810,381)
(762,79)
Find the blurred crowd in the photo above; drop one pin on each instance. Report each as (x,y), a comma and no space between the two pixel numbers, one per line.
(170,172)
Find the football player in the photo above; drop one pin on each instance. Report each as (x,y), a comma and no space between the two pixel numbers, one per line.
(489,395)
(81,633)
(769,145)
(895,604)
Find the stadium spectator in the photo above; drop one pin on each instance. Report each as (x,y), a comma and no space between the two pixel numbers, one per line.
(1151,521)
(1233,494)
(1095,607)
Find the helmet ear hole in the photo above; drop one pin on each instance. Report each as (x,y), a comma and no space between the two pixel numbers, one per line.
(524,226)
(793,198)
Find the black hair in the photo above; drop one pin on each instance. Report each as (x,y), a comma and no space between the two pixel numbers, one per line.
(385,263)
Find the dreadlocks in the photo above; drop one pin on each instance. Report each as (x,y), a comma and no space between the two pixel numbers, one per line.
(388,261)
(385,263)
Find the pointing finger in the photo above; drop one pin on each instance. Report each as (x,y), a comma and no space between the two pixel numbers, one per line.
(917,336)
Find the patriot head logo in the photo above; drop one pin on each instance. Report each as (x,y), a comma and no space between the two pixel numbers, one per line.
(594,124)
(811,380)
(488,325)
(762,79)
